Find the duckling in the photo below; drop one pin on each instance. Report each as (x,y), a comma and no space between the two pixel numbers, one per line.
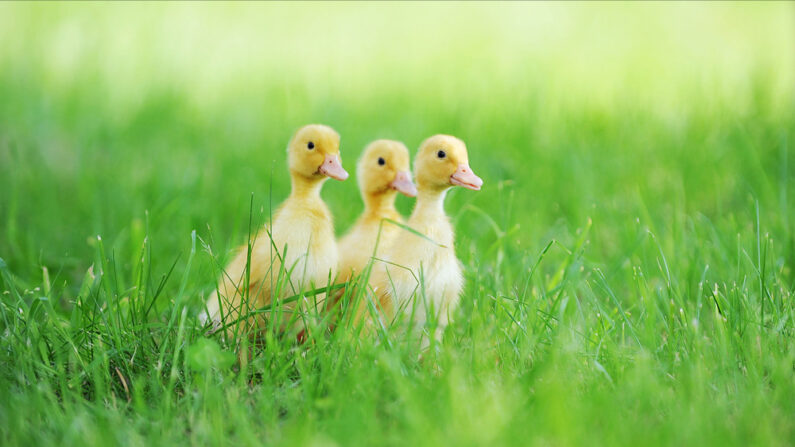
(300,240)
(422,275)
(382,172)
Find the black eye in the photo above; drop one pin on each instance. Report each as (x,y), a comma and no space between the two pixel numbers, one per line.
(381,161)
(441,154)
(310,145)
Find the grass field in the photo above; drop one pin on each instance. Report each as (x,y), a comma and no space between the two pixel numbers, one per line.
(629,261)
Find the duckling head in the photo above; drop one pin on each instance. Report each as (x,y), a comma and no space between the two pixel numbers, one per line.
(383,167)
(442,162)
(314,153)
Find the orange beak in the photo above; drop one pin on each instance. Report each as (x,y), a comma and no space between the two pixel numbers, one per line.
(403,184)
(463,176)
(332,167)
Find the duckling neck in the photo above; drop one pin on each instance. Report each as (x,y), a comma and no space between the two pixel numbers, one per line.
(380,205)
(430,203)
(306,188)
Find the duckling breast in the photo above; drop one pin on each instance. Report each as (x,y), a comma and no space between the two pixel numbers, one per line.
(424,271)
(311,250)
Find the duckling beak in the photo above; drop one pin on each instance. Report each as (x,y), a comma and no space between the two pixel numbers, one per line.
(463,176)
(403,184)
(332,167)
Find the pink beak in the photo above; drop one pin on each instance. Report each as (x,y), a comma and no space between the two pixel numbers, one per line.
(332,167)
(463,176)
(403,184)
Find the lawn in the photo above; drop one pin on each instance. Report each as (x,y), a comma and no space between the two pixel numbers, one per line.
(629,261)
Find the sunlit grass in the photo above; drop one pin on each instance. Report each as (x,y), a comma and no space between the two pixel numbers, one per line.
(629,262)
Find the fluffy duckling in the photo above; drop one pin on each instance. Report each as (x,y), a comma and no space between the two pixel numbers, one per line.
(382,172)
(302,224)
(426,267)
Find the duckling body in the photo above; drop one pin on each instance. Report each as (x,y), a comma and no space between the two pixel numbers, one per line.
(382,171)
(427,267)
(422,277)
(301,239)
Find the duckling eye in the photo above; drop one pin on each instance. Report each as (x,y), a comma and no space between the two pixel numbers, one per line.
(381,161)
(310,145)
(441,154)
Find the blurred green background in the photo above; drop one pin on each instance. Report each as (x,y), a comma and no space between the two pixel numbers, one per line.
(184,110)
(652,141)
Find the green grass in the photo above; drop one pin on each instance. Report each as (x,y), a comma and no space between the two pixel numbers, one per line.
(629,261)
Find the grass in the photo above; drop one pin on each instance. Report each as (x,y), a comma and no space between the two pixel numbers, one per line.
(629,262)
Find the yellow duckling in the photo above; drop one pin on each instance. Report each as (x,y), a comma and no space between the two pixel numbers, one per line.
(302,224)
(423,275)
(382,172)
